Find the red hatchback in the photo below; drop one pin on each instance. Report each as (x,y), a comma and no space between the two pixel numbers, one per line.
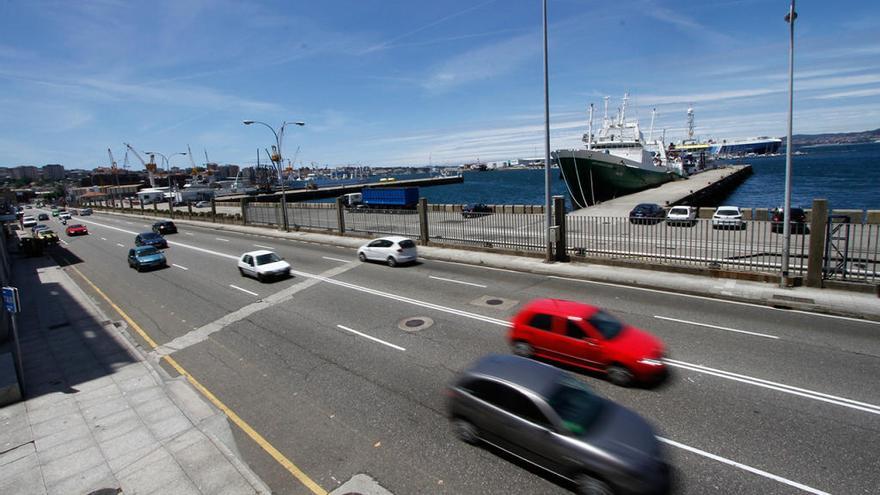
(77,229)
(582,335)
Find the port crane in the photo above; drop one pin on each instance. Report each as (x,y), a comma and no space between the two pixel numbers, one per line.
(151,166)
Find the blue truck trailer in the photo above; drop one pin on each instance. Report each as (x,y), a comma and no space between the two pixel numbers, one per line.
(394,198)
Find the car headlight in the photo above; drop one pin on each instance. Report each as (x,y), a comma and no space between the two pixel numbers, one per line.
(650,362)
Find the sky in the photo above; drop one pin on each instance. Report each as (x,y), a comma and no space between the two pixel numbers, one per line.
(402,82)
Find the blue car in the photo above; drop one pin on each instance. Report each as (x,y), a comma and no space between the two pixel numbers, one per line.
(150,239)
(146,257)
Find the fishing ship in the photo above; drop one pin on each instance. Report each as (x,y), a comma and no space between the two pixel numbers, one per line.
(616,162)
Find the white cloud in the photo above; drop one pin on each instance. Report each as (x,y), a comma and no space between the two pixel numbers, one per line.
(850,94)
(483,63)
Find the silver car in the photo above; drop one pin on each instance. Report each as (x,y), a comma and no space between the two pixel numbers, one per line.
(546,417)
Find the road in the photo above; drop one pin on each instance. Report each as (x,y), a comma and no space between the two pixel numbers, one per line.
(760,400)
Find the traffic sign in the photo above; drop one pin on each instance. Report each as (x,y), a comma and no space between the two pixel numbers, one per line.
(11,300)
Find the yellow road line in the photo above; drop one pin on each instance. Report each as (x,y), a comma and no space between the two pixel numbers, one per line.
(235,418)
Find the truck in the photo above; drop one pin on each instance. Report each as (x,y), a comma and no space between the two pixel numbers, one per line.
(390,198)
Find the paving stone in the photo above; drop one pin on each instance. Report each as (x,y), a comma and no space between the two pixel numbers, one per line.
(69,446)
(159,471)
(59,437)
(85,482)
(116,424)
(94,414)
(72,464)
(22,475)
(14,427)
(129,447)
(145,395)
(57,424)
(170,427)
(209,469)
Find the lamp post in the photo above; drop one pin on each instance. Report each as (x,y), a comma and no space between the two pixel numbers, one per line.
(278,161)
(167,160)
(547,216)
(786,217)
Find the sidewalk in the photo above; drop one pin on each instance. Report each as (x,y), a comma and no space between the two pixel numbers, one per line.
(97,415)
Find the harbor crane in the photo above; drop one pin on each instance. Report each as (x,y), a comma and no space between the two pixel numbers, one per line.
(151,166)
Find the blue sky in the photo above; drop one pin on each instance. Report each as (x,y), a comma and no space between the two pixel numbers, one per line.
(407,82)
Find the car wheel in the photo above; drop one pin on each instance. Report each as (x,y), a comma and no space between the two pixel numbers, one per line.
(465,430)
(391,261)
(138,268)
(588,485)
(619,375)
(523,349)
(362,256)
(260,277)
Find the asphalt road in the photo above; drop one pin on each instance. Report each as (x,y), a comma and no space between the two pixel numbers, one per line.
(760,400)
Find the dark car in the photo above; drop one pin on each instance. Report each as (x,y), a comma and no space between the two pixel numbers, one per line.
(164,227)
(475,210)
(146,257)
(548,418)
(647,213)
(43,216)
(150,239)
(798,221)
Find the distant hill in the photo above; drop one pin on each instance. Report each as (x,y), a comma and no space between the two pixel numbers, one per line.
(837,138)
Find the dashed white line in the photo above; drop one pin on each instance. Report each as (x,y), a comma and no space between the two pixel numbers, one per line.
(221,239)
(456,281)
(103,238)
(744,467)
(768,336)
(243,290)
(64,242)
(178,266)
(189,233)
(120,245)
(374,339)
(262,246)
(336,259)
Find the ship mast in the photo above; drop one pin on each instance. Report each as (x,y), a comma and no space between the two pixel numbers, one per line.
(690,124)
(623,109)
(651,132)
(590,131)
(605,118)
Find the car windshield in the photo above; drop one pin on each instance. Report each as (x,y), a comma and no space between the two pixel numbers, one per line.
(577,407)
(407,244)
(678,211)
(150,235)
(727,213)
(606,324)
(147,251)
(265,259)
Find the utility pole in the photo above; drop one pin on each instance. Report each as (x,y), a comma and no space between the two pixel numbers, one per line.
(786,228)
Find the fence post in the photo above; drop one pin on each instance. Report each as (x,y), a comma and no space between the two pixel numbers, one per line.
(213,211)
(816,257)
(171,207)
(559,222)
(423,221)
(243,203)
(142,208)
(189,209)
(340,215)
(155,208)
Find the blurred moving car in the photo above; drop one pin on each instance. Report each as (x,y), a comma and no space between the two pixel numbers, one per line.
(202,204)
(682,215)
(150,239)
(85,212)
(393,250)
(728,217)
(28,221)
(475,210)
(797,221)
(550,419)
(64,216)
(585,336)
(647,213)
(43,217)
(263,264)
(76,229)
(142,257)
(164,227)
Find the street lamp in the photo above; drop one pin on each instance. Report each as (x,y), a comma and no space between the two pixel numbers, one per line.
(786,216)
(277,160)
(547,215)
(167,160)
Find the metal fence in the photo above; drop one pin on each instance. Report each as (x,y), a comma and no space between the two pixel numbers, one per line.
(510,231)
(851,251)
(385,222)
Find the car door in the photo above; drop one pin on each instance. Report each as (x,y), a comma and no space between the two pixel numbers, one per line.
(529,432)
(131,257)
(540,327)
(372,249)
(249,267)
(138,241)
(579,345)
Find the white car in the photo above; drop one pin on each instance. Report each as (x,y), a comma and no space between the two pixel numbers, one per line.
(28,222)
(728,217)
(263,265)
(64,216)
(202,204)
(682,215)
(393,250)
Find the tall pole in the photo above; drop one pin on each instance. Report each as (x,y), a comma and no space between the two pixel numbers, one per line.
(786,218)
(547,216)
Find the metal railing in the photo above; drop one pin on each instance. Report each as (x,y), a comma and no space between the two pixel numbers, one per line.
(509,231)
(385,222)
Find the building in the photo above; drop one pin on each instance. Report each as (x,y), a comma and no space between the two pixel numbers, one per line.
(25,172)
(227,170)
(53,171)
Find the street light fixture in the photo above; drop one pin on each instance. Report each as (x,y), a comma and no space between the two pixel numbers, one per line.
(786,216)
(278,161)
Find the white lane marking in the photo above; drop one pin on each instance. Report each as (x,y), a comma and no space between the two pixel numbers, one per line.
(130,223)
(262,246)
(477,266)
(63,242)
(712,299)
(103,238)
(336,259)
(374,339)
(178,266)
(744,467)
(716,327)
(189,233)
(219,239)
(120,245)
(455,281)
(243,290)
(781,387)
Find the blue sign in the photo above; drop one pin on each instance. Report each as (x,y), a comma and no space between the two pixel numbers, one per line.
(10,299)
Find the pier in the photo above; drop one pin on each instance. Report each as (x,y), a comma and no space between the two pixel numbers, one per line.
(298,195)
(697,190)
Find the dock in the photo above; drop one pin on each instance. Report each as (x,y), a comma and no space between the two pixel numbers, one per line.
(297,195)
(697,190)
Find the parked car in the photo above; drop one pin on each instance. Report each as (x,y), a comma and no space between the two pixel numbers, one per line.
(46,235)
(76,229)
(150,239)
(202,204)
(797,220)
(728,217)
(647,213)
(142,257)
(263,265)
(393,250)
(164,227)
(682,215)
(585,336)
(43,217)
(550,419)
(475,210)
(28,221)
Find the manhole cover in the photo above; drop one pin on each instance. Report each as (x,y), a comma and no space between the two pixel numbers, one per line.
(415,323)
(106,491)
(494,302)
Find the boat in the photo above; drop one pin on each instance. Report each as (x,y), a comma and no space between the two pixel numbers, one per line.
(615,163)
(762,145)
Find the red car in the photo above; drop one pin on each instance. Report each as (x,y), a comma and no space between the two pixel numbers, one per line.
(77,229)
(585,336)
